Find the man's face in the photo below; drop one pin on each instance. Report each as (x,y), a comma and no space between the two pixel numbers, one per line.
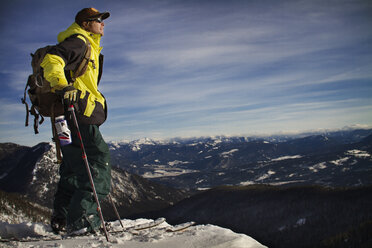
(95,27)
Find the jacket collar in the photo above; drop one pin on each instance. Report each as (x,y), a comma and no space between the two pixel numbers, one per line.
(76,29)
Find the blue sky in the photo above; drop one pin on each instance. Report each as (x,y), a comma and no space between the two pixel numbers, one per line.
(198,68)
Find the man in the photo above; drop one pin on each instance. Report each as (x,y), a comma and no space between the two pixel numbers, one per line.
(74,204)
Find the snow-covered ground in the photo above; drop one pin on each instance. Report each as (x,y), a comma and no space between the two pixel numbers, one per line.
(200,236)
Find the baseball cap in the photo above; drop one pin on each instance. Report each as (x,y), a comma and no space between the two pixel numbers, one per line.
(89,14)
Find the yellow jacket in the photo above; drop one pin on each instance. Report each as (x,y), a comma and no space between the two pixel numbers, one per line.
(63,58)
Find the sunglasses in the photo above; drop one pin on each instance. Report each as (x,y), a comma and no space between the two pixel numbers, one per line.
(99,20)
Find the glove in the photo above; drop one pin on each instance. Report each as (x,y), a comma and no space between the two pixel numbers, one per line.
(69,94)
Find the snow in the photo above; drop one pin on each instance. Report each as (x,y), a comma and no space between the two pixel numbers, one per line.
(166,172)
(317,167)
(247,183)
(203,189)
(201,236)
(265,176)
(359,153)
(285,182)
(177,162)
(286,157)
(301,222)
(10,214)
(226,154)
(340,161)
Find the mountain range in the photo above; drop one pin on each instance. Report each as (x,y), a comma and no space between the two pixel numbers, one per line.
(268,190)
(333,159)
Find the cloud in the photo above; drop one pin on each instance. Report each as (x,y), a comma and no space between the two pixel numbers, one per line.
(202,67)
(215,41)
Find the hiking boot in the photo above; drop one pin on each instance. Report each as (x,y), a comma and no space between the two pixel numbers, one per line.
(58,224)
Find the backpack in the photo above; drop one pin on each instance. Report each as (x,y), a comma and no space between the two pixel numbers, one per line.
(44,102)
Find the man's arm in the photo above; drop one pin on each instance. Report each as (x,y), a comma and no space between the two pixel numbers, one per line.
(66,55)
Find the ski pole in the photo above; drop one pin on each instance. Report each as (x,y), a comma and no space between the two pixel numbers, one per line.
(116,212)
(84,156)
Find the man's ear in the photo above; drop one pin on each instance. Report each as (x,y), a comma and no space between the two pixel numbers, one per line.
(84,24)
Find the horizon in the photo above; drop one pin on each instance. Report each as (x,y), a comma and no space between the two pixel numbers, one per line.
(205,68)
(297,134)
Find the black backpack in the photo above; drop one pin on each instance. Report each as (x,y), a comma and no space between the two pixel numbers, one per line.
(45,103)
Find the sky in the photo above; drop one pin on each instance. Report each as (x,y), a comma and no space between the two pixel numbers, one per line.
(199,68)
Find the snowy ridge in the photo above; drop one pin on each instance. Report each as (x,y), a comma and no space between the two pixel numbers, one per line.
(266,138)
(136,144)
(196,236)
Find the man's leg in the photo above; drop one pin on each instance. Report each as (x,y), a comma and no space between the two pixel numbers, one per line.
(62,198)
(83,207)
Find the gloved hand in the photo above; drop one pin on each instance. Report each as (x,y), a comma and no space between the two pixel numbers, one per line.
(69,94)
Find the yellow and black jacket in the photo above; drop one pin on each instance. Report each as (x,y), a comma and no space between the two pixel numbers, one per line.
(63,58)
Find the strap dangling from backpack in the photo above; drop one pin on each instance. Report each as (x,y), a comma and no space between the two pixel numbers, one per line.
(26,105)
(36,119)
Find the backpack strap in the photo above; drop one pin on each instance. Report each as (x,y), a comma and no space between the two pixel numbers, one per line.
(81,69)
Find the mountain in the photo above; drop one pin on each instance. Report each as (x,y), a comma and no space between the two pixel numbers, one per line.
(17,165)
(32,172)
(278,216)
(339,158)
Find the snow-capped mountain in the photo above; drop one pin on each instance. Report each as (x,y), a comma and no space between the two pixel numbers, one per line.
(22,166)
(340,158)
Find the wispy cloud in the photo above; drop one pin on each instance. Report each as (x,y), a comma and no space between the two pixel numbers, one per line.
(184,68)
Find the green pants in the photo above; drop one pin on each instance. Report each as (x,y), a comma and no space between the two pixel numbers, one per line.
(74,199)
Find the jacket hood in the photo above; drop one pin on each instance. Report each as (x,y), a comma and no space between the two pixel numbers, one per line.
(76,29)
